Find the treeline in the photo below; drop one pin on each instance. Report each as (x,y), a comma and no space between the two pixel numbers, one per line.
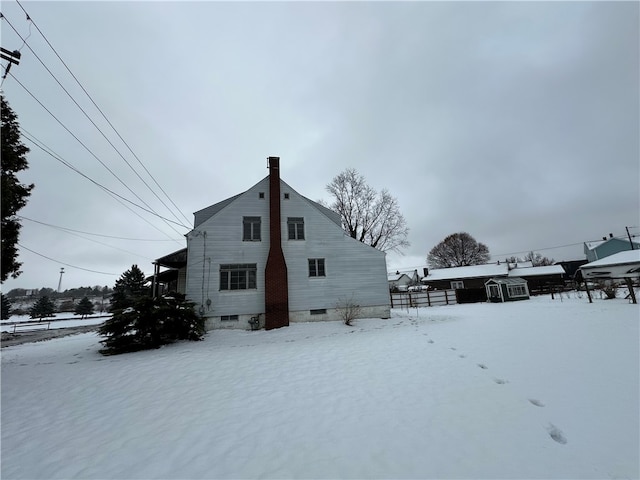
(72,293)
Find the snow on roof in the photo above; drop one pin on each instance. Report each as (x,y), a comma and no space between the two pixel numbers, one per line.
(473,271)
(394,277)
(628,256)
(592,245)
(524,264)
(531,271)
(508,281)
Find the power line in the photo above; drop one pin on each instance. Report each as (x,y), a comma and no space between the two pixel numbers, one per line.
(108,122)
(63,263)
(115,195)
(148,209)
(94,234)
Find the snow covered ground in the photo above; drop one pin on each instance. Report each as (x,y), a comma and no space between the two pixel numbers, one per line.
(533,389)
(61,320)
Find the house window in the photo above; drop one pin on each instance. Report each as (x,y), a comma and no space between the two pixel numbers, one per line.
(316,267)
(318,311)
(251,229)
(260,194)
(286,196)
(457,284)
(229,318)
(238,276)
(295,226)
(517,291)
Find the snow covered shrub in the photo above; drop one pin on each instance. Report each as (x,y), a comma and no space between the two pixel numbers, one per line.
(151,323)
(348,310)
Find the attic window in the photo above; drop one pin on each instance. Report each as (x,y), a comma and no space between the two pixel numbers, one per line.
(261,195)
(286,196)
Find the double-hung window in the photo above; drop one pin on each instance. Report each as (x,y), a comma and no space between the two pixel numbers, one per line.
(238,276)
(316,267)
(295,225)
(251,229)
(517,291)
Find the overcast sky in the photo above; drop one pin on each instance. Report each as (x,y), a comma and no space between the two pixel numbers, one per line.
(515,122)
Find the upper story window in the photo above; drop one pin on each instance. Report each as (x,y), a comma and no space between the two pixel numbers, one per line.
(238,276)
(251,229)
(295,225)
(316,267)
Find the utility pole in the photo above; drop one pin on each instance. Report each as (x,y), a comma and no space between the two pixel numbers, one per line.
(629,235)
(60,281)
(11,57)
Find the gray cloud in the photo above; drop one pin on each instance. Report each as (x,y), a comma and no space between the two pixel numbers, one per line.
(515,122)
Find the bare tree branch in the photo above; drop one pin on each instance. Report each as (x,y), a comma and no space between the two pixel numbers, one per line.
(368,216)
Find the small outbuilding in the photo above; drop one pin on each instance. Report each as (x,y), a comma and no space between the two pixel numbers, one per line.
(508,289)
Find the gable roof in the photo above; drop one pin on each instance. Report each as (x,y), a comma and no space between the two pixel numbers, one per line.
(533,271)
(205,214)
(473,271)
(620,258)
(394,277)
(507,281)
(595,244)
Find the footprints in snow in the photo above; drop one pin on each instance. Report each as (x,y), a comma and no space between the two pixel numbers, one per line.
(554,432)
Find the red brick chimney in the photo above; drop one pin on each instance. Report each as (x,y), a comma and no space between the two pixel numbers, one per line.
(276,294)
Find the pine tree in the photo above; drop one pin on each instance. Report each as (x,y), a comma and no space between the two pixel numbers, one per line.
(6,307)
(14,194)
(128,289)
(84,307)
(151,323)
(42,308)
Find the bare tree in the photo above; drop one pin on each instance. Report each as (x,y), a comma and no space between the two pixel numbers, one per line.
(368,216)
(537,260)
(458,250)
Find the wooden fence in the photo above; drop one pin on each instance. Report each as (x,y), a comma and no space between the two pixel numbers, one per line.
(428,298)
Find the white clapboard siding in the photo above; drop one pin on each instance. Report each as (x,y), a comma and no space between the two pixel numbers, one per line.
(354,271)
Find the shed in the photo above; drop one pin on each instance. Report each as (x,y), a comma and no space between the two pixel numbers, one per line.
(508,289)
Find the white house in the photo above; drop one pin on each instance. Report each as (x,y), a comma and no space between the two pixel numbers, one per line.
(401,281)
(272,256)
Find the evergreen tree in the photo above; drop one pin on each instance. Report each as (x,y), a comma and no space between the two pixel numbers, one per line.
(42,308)
(6,307)
(13,193)
(84,307)
(128,289)
(151,323)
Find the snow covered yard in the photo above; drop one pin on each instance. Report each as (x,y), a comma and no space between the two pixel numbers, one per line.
(534,389)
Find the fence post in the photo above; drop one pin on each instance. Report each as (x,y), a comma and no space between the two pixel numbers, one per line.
(446,298)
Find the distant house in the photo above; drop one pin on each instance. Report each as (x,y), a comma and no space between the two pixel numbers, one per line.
(475,278)
(541,279)
(508,289)
(401,281)
(470,277)
(607,246)
(270,256)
